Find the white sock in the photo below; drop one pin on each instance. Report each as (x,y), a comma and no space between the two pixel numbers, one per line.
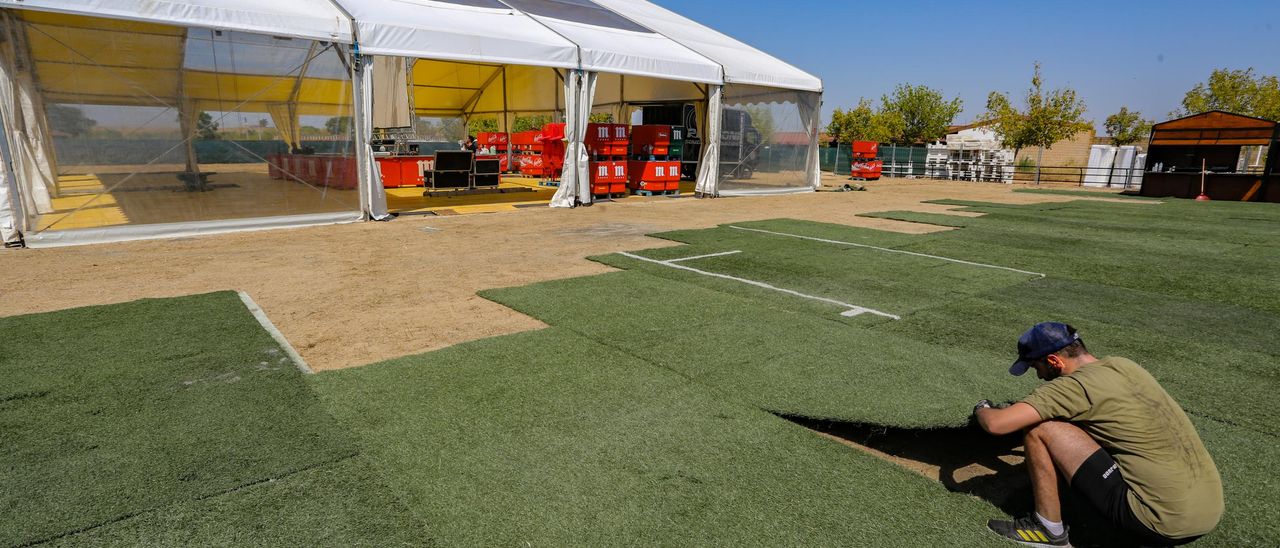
(1054,527)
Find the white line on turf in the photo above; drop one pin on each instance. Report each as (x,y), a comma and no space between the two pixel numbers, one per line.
(971,263)
(703,256)
(275,333)
(853,309)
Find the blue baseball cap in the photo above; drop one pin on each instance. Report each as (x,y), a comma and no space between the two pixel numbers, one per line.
(1041,340)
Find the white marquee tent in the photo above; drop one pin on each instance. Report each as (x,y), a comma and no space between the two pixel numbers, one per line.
(102,98)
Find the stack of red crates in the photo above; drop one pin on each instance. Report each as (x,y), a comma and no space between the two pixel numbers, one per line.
(527,146)
(652,169)
(864,164)
(331,170)
(607,146)
(552,140)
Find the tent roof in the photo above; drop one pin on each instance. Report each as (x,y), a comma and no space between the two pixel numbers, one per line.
(476,31)
(613,43)
(314,19)
(742,63)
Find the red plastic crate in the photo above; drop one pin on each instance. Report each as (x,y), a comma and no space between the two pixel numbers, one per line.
(398,171)
(662,171)
(650,140)
(274,166)
(866,169)
(531,164)
(490,138)
(866,149)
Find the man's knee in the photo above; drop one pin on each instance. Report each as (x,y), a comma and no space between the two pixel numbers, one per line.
(1048,431)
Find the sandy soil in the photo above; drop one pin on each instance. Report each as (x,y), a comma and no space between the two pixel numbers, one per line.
(411,283)
(349,295)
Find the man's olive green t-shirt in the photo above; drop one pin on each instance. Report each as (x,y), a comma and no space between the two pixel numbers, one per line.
(1175,488)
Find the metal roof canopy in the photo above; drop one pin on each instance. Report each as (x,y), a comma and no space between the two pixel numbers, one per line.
(1214,128)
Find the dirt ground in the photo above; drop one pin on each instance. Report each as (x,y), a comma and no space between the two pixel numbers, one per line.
(350,295)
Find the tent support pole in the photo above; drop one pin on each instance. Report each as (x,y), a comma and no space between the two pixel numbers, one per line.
(475,97)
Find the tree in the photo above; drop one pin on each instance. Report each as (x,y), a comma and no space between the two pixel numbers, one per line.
(481,125)
(1127,128)
(600,118)
(338,125)
(914,114)
(861,123)
(1047,118)
(69,120)
(762,119)
(527,123)
(1237,91)
(206,128)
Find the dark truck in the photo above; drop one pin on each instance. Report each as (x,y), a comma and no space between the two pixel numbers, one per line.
(739,139)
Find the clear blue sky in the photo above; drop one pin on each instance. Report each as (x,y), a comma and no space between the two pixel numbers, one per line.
(1141,54)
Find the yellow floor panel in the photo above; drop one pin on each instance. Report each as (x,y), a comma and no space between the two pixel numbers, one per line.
(113,199)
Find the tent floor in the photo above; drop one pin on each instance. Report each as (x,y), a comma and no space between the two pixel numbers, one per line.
(101,197)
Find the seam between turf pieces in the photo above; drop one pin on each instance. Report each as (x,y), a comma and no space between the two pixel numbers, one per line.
(1229,422)
(889,250)
(715,389)
(227,491)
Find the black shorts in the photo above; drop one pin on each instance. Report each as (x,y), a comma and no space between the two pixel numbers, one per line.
(1099,480)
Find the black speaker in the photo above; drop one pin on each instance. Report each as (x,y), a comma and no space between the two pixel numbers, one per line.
(487,167)
(453,160)
(450,179)
(487,180)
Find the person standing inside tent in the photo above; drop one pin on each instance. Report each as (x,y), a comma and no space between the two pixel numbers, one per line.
(1114,435)
(471,144)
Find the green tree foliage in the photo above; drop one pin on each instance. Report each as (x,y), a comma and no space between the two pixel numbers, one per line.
(914,114)
(861,123)
(1127,128)
(528,123)
(69,120)
(762,119)
(600,118)
(338,125)
(481,125)
(1237,91)
(1046,118)
(206,128)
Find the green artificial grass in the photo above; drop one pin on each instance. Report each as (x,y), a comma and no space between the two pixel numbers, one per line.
(775,355)
(1082,193)
(113,415)
(550,438)
(953,221)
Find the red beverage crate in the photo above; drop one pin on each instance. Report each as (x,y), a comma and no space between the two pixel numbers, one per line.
(653,172)
(490,138)
(866,169)
(274,167)
(527,141)
(531,165)
(552,132)
(618,172)
(651,139)
(866,149)
(600,172)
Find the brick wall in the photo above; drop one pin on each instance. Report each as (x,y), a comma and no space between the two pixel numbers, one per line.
(1068,152)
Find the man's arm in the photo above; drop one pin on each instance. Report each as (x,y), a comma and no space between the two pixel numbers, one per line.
(1007,420)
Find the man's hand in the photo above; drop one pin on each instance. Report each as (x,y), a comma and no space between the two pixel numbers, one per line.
(1006,420)
(982,404)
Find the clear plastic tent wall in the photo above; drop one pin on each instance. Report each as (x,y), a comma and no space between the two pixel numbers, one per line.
(768,140)
(135,128)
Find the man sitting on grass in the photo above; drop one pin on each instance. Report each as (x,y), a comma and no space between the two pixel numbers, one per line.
(1114,435)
